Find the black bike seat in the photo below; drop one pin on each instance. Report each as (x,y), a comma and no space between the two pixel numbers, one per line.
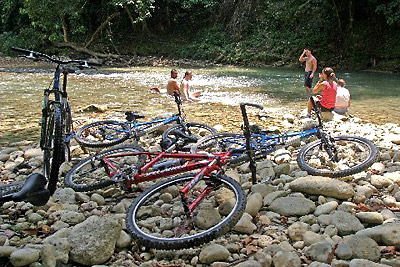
(131,116)
(35,182)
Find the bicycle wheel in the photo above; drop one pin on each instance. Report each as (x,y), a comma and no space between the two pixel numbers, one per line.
(103,133)
(193,130)
(157,217)
(67,131)
(92,173)
(7,189)
(53,145)
(341,156)
(225,142)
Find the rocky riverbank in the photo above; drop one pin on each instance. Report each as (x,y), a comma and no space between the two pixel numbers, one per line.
(291,218)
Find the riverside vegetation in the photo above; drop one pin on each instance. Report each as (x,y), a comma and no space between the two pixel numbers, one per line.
(291,219)
(344,34)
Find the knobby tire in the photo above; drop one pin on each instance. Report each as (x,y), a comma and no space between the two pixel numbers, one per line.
(92,174)
(103,133)
(140,224)
(314,159)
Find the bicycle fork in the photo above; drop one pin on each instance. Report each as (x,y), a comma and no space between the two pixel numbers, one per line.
(189,207)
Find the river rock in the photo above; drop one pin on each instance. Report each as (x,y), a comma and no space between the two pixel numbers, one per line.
(282,156)
(65,195)
(62,248)
(48,256)
(365,263)
(292,206)
(393,176)
(310,238)
(326,208)
(93,241)
(380,181)
(124,240)
(207,217)
(286,258)
(370,217)
(319,251)
(280,169)
(343,251)
(318,185)
(387,234)
(254,204)
(24,256)
(377,167)
(268,199)
(345,222)
(297,230)
(212,253)
(263,189)
(5,251)
(363,247)
(245,224)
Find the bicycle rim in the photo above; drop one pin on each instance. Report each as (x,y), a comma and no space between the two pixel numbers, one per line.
(341,156)
(93,173)
(157,217)
(103,133)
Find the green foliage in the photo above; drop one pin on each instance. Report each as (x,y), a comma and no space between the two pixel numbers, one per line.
(252,32)
(391,10)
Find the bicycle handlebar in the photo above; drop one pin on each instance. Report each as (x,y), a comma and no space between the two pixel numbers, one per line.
(251,105)
(30,54)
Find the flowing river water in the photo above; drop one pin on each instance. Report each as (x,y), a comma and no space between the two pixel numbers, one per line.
(375,96)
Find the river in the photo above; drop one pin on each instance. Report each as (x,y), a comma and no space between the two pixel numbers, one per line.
(375,96)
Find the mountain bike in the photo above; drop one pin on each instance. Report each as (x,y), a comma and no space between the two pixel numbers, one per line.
(110,132)
(176,213)
(332,156)
(55,135)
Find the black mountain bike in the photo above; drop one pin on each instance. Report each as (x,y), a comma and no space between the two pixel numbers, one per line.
(55,135)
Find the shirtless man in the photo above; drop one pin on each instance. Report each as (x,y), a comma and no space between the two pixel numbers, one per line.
(310,69)
(172,85)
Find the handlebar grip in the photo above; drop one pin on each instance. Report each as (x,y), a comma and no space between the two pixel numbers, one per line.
(251,105)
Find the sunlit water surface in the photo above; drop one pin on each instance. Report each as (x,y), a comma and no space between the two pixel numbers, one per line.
(375,96)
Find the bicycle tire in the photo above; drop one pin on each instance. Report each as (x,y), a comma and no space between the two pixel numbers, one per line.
(348,147)
(103,133)
(67,130)
(192,129)
(90,174)
(234,200)
(12,188)
(53,154)
(224,142)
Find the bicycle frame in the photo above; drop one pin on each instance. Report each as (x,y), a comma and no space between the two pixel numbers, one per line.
(142,128)
(207,163)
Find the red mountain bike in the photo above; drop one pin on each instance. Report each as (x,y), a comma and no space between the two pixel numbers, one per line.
(180,212)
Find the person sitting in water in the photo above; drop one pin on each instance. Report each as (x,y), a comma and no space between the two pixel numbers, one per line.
(185,88)
(342,104)
(328,87)
(172,85)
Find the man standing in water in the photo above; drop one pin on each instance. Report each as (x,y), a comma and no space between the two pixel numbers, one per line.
(310,69)
(172,85)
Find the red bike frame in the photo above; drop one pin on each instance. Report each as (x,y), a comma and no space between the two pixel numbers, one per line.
(206,162)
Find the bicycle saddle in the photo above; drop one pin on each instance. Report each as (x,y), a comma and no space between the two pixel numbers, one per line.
(131,116)
(33,190)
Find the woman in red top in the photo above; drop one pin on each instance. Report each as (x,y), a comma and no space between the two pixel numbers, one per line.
(327,86)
